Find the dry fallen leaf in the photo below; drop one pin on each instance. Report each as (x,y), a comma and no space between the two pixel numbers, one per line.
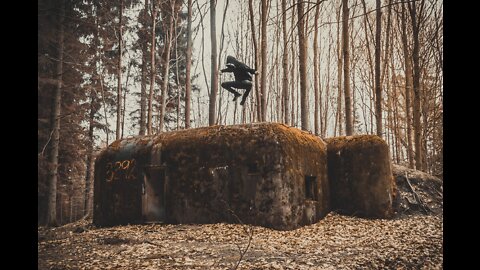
(336,242)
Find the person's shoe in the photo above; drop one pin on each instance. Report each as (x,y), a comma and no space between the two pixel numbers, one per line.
(236,97)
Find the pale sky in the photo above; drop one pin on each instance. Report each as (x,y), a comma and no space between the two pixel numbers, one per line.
(327,34)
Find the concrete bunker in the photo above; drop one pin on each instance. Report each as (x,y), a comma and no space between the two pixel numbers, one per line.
(360,176)
(265,174)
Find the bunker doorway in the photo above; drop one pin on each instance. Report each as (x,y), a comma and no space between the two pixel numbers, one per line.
(153,194)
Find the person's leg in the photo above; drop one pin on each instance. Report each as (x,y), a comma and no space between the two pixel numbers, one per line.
(248,87)
(228,86)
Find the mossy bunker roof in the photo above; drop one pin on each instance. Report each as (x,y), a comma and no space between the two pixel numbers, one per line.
(257,161)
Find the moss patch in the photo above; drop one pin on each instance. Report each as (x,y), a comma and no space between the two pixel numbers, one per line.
(253,173)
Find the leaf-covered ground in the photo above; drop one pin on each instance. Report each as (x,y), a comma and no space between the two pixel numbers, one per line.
(336,242)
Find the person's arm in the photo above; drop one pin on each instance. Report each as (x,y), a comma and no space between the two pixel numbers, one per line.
(252,70)
(229,68)
(248,69)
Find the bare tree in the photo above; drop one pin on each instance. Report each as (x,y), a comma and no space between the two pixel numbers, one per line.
(327,88)
(55,124)
(316,72)
(94,107)
(346,71)
(302,63)
(119,73)
(188,84)
(263,55)
(143,85)
(166,64)
(222,40)
(339,112)
(416,22)
(378,86)
(177,76)
(152,69)
(124,102)
(90,157)
(285,64)
(214,67)
(292,76)
(255,58)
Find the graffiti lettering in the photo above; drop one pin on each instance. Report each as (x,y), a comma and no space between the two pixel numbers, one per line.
(120,170)
(130,170)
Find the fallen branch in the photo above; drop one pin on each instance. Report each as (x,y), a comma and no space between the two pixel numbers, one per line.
(424,207)
(248,230)
(242,253)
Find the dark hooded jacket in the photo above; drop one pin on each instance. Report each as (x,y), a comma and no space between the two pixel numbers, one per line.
(240,70)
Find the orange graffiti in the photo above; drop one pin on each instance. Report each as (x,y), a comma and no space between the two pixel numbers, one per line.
(120,170)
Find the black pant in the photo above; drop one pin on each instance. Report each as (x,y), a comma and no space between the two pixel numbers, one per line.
(245,84)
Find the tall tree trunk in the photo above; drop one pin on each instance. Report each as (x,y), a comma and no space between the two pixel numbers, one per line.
(292,76)
(143,95)
(188,85)
(370,61)
(346,71)
(99,73)
(389,121)
(119,74)
(222,39)
(177,75)
(255,57)
(285,64)
(395,115)
(124,109)
(378,86)
(416,86)
(302,63)
(408,88)
(104,110)
(214,68)
(91,140)
(55,125)
(166,65)
(298,95)
(388,50)
(278,93)
(203,62)
(327,90)
(385,72)
(316,119)
(425,112)
(352,77)
(143,85)
(90,158)
(152,70)
(263,54)
(339,113)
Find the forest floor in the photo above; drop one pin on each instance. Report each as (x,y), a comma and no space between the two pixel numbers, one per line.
(412,241)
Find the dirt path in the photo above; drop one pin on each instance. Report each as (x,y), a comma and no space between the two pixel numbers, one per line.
(336,242)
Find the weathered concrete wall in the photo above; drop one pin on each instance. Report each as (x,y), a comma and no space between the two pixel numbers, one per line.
(360,176)
(118,181)
(252,173)
(303,155)
(249,173)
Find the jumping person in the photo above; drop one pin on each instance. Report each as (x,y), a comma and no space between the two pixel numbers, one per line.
(243,78)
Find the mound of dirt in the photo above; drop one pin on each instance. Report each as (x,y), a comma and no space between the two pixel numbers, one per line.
(417,192)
